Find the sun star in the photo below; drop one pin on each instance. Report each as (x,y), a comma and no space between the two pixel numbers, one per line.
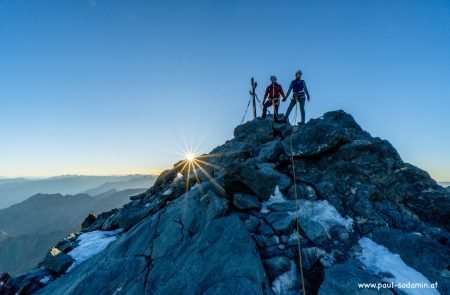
(189,157)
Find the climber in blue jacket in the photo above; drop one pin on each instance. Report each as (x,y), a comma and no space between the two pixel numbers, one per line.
(299,94)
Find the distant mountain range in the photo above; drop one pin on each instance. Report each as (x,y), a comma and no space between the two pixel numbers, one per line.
(57,207)
(30,228)
(15,190)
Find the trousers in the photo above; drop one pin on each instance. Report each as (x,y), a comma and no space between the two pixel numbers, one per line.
(300,98)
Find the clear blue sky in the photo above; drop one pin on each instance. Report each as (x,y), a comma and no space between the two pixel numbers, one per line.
(106,87)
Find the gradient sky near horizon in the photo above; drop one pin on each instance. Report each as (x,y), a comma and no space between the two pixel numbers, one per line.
(118,87)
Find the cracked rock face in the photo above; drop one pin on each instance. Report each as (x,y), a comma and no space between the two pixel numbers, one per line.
(235,226)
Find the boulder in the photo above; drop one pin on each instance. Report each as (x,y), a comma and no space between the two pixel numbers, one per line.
(166,177)
(322,135)
(126,218)
(265,241)
(344,278)
(313,230)
(282,129)
(88,221)
(4,277)
(265,229)
(271,150)
(256,131)
(232,152)
(66,244)
(252,223)
(56,261)
(5,288)
(28,283)
(245,201)
(216,205)
(240,178)
(276,266)
(282,206)
(101,219)
(282,222)
(282,180)
(312,140)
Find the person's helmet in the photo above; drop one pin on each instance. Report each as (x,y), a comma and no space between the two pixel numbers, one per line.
(299,72)
(273,78)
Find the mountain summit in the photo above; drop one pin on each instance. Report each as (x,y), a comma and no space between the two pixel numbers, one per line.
(234,221)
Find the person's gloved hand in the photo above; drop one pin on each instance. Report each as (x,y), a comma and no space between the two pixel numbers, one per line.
(308,98)
(284,99)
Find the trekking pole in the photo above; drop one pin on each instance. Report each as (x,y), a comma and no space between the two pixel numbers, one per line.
(253,94)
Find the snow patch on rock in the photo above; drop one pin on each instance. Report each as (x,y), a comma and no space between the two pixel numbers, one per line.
(90,244)
(168,192)
(379,260)
(45,280)
(178,177)
(276,197)
(325,214)
(286,283)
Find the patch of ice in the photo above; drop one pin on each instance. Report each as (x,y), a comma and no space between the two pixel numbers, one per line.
(325,214)
(294,236)
(401,169)
(90,244)
(177,178)
(379,260)
(310,190)
(276,197)
(286,283)
(45,280)
(168,191)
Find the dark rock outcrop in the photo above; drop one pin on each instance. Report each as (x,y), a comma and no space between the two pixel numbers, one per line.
(56,261)
(88,221)
(235,225)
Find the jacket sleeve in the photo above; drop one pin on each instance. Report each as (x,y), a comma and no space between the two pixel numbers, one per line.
(306,90)
(289,90)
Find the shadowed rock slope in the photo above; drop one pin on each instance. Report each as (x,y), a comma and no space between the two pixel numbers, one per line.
(361,210)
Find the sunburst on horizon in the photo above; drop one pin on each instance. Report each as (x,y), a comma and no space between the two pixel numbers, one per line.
(194,163)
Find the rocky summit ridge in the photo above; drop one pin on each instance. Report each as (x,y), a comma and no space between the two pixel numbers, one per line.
(226,224)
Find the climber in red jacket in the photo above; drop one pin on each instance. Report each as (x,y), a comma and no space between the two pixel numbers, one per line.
(272,98)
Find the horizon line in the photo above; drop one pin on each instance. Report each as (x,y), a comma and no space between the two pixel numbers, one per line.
(155,173)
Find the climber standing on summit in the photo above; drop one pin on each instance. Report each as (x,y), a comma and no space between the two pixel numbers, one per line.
(299,94)
(272,98)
